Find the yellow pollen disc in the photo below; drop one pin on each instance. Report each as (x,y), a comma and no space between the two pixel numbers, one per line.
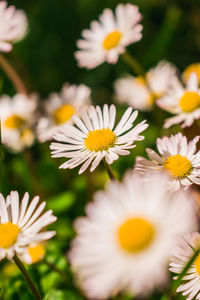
(190,69)
(14,122)
(8,234)
(141,80)
(63,113)
(197,264)
(112,40)
(36,253)
(178,166)
(189,101)
(135,235)
(27,136)
(100,139)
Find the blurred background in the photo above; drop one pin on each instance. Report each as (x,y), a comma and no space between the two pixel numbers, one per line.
(45,60)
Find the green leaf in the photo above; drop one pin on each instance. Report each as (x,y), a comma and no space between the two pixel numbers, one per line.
(61,202)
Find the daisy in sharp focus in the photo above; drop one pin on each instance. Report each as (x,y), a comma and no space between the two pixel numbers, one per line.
(60,108)
(178,157)
(141,92)
(124,242)
(17,120)
(13,26)
(93,137)
(108,38)
(190,286)
(21,224)
(183,102)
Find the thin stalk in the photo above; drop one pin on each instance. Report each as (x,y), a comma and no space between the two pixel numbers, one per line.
(109,170)
(27,277)
(133,63)
(56,269)
(13,76)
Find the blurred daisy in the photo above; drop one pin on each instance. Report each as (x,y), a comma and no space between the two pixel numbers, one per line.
(20,224)
(182,101)
(33,253)
(125,240)
(60,108)
(178,157)
(13,26)
(93,137)
(141,92)
(17,120)
(108,38)
(193,68)
(183,253)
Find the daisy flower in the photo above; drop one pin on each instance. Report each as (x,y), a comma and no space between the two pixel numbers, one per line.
(178,157)
(20,224)
(109,37)
(125,240)
(184,252)
(93,137)
(183,102)
(193,68)
(60,108)
(34,253)
(17,120)
(141,92)
(13,26)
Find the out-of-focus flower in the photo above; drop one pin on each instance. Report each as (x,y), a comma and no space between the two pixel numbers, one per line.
(178,157)
(193,68)
(182,254)
(141,92)
(124,242)
(108,38)
(13,26)
(94,137)
(60,108)
(184,102)
(17,119)
(20,224)
(33,253)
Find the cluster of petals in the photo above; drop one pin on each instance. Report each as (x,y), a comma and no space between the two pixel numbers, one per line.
(13,26)
(105,140)
(100,259)
(108,38)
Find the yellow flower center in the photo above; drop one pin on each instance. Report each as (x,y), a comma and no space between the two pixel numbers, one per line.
(100,139)
(36,253)
(135,235)
(63,113)
(190,69)
(112,40)
(27,136)
(178,166)
(197,264)
(141,80)
(189,101)
(8,234)
(14,122)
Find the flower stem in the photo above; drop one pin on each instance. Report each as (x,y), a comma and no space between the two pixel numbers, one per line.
(13,76)
(109,170)
(57,270)
(27,277)
(135,65)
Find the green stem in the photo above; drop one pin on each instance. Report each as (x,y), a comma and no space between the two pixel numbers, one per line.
(57,270)
(135,65)
(27,277)
(13,76)
(109,170)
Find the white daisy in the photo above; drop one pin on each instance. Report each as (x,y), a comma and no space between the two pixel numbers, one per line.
(20,224)
(178,157)
(125,240)
(34,253)
(94,137)
(182,101)
(108,38)
(17,120)
(193,68)
(13,26)
(61,107)
(183,253)
(141,92)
